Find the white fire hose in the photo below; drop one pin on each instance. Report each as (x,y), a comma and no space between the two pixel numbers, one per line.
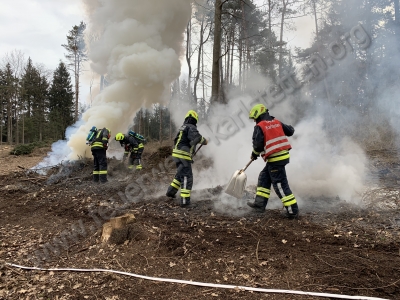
(222,286)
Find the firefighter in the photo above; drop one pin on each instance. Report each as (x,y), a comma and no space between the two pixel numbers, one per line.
(184,145)
(99,147)
(133,144)
(270,140)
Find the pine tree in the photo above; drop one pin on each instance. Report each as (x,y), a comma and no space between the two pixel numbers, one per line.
(61,102)
(8,93)
(76,55)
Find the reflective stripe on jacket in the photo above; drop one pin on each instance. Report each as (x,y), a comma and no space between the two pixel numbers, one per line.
(101,139)
(276,144)
(186,140)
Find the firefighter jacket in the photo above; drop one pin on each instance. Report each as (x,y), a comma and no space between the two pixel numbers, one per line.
(269,139)
(186,140)
(129,141)
(101,140)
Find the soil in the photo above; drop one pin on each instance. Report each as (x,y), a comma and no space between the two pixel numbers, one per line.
(334,247)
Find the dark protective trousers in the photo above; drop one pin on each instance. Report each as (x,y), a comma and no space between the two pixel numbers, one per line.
(136,159)
(183,179)
(275,175)
(99,165)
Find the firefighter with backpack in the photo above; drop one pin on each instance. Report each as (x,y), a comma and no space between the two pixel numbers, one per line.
(133,144)
(97,139)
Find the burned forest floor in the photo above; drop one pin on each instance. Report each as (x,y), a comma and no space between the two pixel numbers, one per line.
(54,219)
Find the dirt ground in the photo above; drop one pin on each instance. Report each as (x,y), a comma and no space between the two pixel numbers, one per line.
(54,221)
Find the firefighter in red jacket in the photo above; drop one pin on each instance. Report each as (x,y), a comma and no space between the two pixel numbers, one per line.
(99,147)
(270,140)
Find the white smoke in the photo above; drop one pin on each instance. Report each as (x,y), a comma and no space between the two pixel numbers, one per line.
(137,45)
(320,165)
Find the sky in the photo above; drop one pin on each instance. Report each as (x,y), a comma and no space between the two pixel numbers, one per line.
(38,28)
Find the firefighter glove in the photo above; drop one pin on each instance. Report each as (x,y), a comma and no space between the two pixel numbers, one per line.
(105,146)
(254,156)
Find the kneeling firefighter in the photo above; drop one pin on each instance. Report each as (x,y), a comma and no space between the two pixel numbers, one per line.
(99,146)
(133,144)
(184,145)
(269,140)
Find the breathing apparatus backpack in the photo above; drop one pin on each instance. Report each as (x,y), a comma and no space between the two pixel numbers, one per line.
(137,136)
(91,136)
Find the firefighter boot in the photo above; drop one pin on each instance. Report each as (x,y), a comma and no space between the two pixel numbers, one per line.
(185,202)
(96,177)
(259,204)
(292,211)
(171,192)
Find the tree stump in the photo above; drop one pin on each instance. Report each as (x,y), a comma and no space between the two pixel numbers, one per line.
(116,230)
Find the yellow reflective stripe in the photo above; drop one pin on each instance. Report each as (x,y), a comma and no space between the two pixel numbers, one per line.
(289,200)
(141,146)
(174,185)
(279,153)
(176,151)
(135,149)
(282,155)
(176,182)
(263,192)
(255,152)
(138,167)
(185,193)
(179,139)
(96,172)
(130,167)
(97,144)
(181,154)
(265,195)
(102,172)
(261,189)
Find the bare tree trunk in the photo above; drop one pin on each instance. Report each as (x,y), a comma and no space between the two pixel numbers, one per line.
(284,3)
(160,134)
(215,89)
(23,129)
(170,126)
(231,62)
(247,48)
(200,53)
(240,62)
(188,55)
(9,122)
(202,75)
(2,120)
(315,18)
(76,87)
(140,121)
(397,17)
(16,127)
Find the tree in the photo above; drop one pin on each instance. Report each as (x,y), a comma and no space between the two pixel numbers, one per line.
(215,89)
(76,55)
(61,102)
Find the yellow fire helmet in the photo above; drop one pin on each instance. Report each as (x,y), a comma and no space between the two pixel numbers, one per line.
(192,113)
(257,111)
(119,137)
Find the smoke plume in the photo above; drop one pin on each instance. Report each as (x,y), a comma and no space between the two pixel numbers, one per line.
(136,44)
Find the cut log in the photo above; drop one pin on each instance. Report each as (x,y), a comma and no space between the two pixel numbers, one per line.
(116,230)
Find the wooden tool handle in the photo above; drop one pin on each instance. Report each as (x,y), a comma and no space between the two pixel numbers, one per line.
(248,164)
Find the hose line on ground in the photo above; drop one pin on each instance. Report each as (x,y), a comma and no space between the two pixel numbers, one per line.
(222,286)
